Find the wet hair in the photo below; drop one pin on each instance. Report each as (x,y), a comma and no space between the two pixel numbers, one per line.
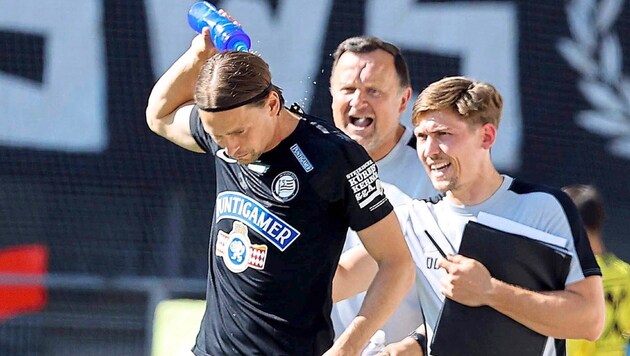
(589,203)
(367,44)
(476,102)
(234,78)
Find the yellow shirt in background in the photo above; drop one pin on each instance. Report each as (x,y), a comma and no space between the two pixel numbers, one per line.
(614,339)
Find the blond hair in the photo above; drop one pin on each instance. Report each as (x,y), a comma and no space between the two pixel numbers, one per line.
(475,102)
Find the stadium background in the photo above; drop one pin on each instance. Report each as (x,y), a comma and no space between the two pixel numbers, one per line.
(125,215)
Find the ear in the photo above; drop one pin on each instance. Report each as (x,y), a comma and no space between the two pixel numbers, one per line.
(404,100)
(488,135)
(273,103)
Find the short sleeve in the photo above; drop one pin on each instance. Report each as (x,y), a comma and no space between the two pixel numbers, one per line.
(198,133)
(363,192)
(583,264)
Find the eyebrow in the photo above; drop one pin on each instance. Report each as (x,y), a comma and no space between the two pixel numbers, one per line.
(233,131)
(432,130)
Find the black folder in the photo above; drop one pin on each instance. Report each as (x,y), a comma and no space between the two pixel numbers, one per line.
(514,259)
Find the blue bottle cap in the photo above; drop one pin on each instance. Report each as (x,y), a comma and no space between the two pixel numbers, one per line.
(240,46)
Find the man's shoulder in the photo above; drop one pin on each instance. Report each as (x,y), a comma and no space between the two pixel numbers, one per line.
(541,196)
(416,206)
(320,132)
(325,143)
(520,186)
(327,136)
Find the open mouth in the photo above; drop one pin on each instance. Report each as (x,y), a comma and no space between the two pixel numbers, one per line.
(439,167)
(361,122)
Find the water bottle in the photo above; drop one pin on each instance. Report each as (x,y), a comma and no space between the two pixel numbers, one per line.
(376,344)
(224,33)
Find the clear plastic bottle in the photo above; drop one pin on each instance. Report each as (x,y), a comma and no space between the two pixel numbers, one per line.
(224,33)
(376,344)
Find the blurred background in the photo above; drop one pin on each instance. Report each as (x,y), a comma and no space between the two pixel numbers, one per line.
(108,219)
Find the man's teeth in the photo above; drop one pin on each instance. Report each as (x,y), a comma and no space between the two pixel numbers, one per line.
(361,121)
(438,166)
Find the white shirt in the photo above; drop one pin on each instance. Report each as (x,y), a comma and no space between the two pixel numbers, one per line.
(532,205)
(403,178)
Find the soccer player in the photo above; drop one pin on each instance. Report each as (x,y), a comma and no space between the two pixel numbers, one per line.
(288,188)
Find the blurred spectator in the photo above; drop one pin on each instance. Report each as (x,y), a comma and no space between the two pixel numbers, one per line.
(616,278)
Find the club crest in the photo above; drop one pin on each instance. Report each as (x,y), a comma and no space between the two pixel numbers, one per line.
(285,186)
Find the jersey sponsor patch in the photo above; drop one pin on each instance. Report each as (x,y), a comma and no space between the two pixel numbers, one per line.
(365,184)
(285,186)
(237,206)
(237,251)
(301,157)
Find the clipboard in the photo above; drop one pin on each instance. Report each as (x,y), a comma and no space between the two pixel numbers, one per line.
(514,259)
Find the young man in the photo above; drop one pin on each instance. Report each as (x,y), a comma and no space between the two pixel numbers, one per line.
(615,273)
(288,188)
(456,121)
(370,89)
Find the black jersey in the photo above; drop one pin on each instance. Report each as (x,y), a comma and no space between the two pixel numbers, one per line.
(278,230)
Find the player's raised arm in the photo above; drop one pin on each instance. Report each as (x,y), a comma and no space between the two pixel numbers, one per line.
(171,99)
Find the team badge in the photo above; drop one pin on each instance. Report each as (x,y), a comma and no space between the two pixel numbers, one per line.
(237,251)
(285,186)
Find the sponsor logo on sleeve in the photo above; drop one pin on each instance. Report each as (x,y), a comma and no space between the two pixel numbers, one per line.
(237,206)
(365,184)
(237,251)
(285,186)
(301,157)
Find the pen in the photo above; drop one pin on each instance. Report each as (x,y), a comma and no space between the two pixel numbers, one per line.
(435,244)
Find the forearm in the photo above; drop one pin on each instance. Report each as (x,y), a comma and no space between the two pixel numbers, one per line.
(176,86)
(568,314)
(355,272)
(387,290)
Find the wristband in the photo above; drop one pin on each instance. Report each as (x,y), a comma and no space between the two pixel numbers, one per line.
(421,340)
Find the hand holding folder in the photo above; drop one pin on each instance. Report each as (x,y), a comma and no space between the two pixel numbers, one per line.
(514,259)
